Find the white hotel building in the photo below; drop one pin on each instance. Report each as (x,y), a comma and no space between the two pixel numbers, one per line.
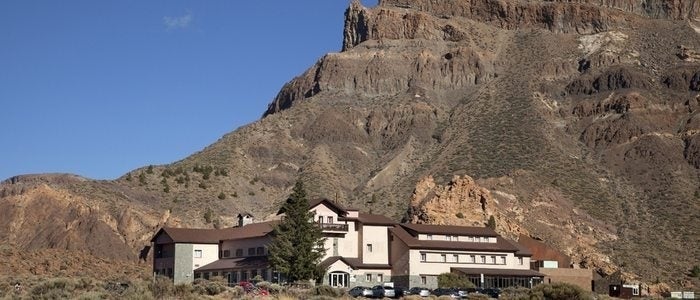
(361,249)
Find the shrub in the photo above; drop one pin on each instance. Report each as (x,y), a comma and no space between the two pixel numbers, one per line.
(162,287)
(214,288)
(475,296)
(695,272)
(329,291)
(149,170)
(460,215)
(515,293)
(56,288)
(208,215)
(222,196)
(93,295)
(182,290)
(452,280)
(559,291)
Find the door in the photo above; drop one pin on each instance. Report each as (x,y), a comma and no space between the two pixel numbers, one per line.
(338,279)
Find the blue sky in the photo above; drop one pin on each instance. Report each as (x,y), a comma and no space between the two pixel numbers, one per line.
(98,88)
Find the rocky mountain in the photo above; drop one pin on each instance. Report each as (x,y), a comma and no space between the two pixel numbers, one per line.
(578,121)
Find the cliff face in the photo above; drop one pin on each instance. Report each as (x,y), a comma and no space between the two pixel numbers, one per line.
(578,120)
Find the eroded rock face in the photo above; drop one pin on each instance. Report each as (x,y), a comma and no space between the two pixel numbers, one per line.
(547,214)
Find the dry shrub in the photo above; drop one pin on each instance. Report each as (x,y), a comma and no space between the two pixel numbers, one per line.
(559,291)
(162,287)
(329,291)
(515,293)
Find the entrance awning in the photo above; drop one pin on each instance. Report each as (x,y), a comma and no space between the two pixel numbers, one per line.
(498,272)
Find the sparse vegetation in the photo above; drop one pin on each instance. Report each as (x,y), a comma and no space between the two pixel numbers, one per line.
(459,215)
(491,223)
(452,280)
(149,170)
(142,179)
(695,272)
(208,215)
(222,196)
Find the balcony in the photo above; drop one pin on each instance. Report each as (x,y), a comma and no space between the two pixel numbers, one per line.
(333,227)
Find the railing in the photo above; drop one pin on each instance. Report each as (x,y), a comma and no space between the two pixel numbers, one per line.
(333,227)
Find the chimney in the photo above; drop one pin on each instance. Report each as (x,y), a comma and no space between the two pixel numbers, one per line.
(245,219)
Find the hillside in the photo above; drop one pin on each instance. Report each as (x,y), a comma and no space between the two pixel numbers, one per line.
(580,118)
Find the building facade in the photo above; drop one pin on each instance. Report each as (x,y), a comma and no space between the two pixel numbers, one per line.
(361,249)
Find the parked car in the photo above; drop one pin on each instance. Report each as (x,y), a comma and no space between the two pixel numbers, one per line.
(400,292)
(450,292)
(420,291)
(380,291)
(493,292)
(361,291)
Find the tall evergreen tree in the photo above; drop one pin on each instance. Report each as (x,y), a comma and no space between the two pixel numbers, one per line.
(297,244)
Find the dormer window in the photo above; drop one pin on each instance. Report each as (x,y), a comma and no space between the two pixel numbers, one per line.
(330,219)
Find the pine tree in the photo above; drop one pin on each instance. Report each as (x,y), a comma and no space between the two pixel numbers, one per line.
(298,244)
(492,223)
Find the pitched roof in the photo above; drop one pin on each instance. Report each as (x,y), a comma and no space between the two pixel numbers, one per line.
(501,244)
(248,231)
(213,236)
(250,262)
(498,272)
(190,235)
(354,263)
(449,229)
(332,205)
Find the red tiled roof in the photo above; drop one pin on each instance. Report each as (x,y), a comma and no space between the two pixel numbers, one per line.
(354,263)
(501,244)
(498,272)
(251,262)
(449,229)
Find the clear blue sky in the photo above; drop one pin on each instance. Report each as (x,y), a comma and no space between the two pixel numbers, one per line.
(98,88)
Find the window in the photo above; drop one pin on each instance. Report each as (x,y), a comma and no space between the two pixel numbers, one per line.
(483,259)
(260,251)
(472,259)
(423,280)
(330,219)
(197,253)
(320,219)
(443,257)
(380,277)
(520,260)
(227,253)
(369,247)
(251,251)
(422,257)
(197,275)
(503,260)
(430,237)
(368,277)
(470,239)
(214,274)
(449,237)
(493,260)
(253,273)
(455,257)
(239,252)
